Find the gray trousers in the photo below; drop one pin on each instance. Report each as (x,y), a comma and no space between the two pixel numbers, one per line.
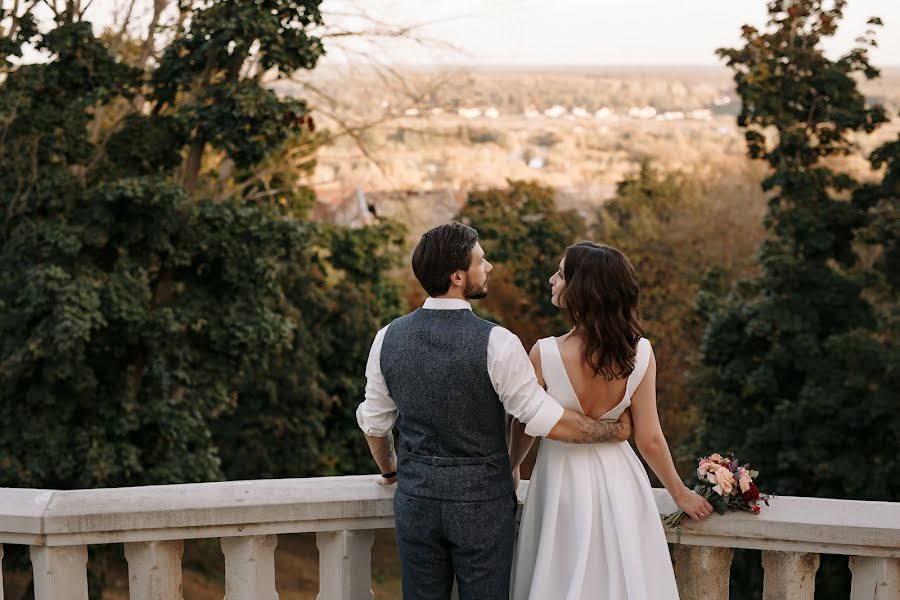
(441,539)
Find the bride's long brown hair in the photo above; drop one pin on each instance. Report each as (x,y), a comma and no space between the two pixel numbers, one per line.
(602,296)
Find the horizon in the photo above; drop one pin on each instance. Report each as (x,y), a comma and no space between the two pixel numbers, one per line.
(572,67)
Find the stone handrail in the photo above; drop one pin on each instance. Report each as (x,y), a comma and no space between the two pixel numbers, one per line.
(822,525)
(193,510)
(153,521)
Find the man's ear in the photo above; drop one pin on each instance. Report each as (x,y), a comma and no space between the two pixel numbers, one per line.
(456,278)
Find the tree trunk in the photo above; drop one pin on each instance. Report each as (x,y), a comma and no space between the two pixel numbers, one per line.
(194,161)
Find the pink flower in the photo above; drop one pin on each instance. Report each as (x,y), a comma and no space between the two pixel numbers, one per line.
(716,458)
(744,480)
(725,479)
(704,467)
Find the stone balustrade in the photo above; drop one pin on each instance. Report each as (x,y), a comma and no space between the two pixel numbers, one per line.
(247,516)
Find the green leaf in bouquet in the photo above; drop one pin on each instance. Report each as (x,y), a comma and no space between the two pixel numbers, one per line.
(720,504)
(754,474)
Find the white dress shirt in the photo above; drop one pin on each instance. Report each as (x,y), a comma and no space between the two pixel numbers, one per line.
(509,369)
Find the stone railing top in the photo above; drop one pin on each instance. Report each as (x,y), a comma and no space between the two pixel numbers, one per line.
(193,510)
(218,509)
(798,524)
(21,509)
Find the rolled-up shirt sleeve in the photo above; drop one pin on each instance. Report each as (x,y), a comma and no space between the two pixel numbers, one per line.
(377,414)
(514,381)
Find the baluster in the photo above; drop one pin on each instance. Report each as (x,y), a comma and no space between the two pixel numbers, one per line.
(250,567)
(875,578)
(702,572)
(789,575)
(345,564)
(154,570)
(60,572)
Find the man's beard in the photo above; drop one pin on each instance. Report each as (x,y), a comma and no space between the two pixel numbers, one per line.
(472,292)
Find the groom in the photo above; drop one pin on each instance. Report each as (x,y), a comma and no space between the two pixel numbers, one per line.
(446,377)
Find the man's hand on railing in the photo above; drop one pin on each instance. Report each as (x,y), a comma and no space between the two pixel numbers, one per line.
(387,480)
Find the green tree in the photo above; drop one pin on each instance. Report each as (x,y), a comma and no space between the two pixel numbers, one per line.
(654,218)
(164,302)
(524,236)
(792,359)
(773,339)
(297,419)
(881,201)
(677,230)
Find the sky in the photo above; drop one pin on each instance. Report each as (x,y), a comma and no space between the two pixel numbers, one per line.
(596,32)
(562,32)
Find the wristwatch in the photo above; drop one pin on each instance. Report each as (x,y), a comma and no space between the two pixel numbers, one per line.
(389,475)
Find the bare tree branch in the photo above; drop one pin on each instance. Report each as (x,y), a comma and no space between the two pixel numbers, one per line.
(353,131)
(119,37)
(101,144)
(82,11)
(16,19)
(12,25)
(149,43)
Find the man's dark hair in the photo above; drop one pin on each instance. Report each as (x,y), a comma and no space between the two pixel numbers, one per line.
(441,252)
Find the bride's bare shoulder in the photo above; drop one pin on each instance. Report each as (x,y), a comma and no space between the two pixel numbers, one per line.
(535,356)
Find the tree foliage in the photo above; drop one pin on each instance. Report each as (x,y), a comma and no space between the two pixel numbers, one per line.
(678,230)
(167,311)
(653,219)
(297,418)
(797,374)
(783,349)
(524,236)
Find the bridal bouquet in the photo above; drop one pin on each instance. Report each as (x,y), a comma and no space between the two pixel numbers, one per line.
(726,484)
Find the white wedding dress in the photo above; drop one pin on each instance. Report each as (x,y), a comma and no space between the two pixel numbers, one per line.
(590,528)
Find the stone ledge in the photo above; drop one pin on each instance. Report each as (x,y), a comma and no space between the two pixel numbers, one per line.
(223,509)
(120,512)
(22,512)
(799,524)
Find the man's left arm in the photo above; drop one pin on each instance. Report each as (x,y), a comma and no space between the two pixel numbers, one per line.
(382,449)
(526,400)
(377,414)
(577,428)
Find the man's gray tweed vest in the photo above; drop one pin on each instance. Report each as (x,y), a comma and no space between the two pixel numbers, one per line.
(451,422)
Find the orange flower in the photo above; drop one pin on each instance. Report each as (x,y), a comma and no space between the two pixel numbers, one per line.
(725,480)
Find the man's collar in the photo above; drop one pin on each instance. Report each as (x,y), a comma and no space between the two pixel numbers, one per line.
(446,304)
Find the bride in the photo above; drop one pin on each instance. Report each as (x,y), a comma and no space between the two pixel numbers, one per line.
(590,527)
